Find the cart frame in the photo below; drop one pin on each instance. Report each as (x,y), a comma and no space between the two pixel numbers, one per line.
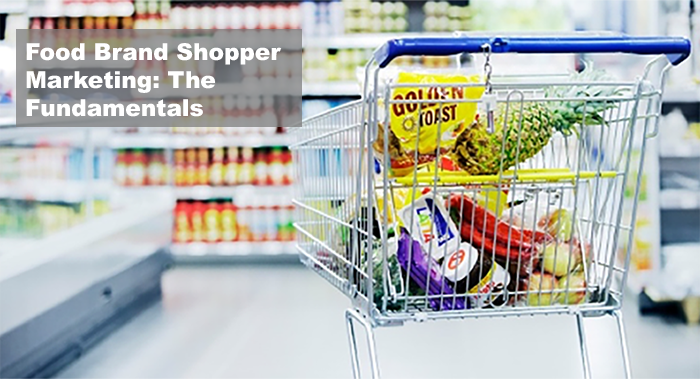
(324,206)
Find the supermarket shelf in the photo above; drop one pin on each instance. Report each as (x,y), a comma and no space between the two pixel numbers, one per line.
(685,149)
(234,248)
(140,191)
(13,6)
(210,192)
(273,195)
(679,199)
(166,141)
(349,88)
(681,95)
(96,9)
(68,191)
(40,251)
(360,41)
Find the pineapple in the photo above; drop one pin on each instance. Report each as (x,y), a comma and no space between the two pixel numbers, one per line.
(481,153)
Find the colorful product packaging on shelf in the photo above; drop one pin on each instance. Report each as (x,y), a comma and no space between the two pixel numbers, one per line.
(197,221)
(229,226)
(212,223)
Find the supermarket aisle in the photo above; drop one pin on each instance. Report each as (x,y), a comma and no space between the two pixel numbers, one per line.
(280,321)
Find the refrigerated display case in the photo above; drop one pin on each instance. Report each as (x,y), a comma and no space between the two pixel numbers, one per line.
(73,265)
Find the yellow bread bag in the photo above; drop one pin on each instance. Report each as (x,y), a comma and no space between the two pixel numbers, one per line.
(416,125)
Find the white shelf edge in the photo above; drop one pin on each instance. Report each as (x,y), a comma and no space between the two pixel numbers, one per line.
(681,149)
(174,141)
(679,199)
(68,191)
(205,192)
(681,95)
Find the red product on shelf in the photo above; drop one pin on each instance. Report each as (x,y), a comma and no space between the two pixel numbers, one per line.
(288,169)
(261,171)
(190,167)
(180,168)
(246,169)
(232,167)
(120,169)
(276,167)
(280,16)
(156,169)
(266,16)
(136,174)
(197,220)
(183,229)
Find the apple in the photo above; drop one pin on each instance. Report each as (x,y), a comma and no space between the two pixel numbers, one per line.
(560,224)
(560,258)
(576,283)
(540,289)
(584,249)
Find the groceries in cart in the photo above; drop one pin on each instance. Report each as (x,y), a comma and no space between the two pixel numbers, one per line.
(427,130)
(452,249)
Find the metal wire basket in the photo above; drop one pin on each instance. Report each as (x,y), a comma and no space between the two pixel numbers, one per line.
(508,214)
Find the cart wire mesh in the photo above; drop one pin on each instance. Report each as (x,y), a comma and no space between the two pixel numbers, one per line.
(353,214)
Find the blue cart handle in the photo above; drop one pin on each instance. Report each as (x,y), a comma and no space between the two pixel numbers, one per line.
(676,49)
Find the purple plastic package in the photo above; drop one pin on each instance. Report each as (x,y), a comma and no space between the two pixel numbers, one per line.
(411,254)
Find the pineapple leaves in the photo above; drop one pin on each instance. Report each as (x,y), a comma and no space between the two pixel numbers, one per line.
(585,110)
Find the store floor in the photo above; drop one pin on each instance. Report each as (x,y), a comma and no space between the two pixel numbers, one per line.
(283,321)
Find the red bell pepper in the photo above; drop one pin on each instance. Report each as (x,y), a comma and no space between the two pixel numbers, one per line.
(484,220)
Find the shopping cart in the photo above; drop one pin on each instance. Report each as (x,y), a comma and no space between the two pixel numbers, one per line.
(493,216)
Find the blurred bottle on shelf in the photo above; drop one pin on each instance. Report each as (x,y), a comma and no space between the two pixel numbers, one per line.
(246,169)
(216,167)
(229,226)
(197,221)
(216,171)
(183,227)
(212,222)
(248,219)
